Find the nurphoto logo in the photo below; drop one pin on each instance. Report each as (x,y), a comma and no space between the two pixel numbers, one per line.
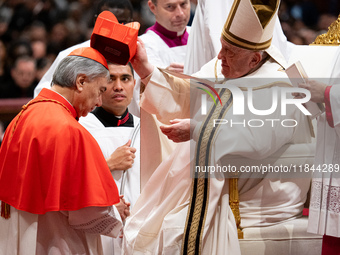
(238,100)
(280,97)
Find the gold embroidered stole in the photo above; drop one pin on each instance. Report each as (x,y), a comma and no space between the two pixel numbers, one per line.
(199,200)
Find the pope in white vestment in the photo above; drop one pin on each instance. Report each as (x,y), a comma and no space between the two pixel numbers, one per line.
(159,216)
(177,214)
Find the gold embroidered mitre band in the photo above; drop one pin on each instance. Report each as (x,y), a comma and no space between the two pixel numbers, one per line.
(251,23)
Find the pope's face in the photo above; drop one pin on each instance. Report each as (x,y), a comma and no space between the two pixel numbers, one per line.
(119,90)
(235,61)
(91,95)
(174,15)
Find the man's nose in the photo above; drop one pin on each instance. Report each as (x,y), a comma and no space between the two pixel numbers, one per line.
(118,86)
(179,11)
(219,56)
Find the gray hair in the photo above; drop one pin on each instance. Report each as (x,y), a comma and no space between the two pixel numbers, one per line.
(71,66)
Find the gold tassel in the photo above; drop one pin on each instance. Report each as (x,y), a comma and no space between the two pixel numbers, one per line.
(5,210)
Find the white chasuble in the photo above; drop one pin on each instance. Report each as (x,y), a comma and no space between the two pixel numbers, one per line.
(161,217)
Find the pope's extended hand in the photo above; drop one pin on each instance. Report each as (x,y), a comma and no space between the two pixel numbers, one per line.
(122,158)
(179,130)
(140,61)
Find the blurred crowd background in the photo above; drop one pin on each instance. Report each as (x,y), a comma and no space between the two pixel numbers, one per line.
(35,31)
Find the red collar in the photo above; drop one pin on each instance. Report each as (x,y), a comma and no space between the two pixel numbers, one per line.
(50,94)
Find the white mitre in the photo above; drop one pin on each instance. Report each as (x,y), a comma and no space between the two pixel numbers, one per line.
(250,25)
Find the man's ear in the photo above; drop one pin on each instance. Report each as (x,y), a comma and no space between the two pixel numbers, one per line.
(80,81)
(255,60)
(152,6)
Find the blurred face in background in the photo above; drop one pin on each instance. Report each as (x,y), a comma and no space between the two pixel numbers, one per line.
(39,49)
(23,72)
